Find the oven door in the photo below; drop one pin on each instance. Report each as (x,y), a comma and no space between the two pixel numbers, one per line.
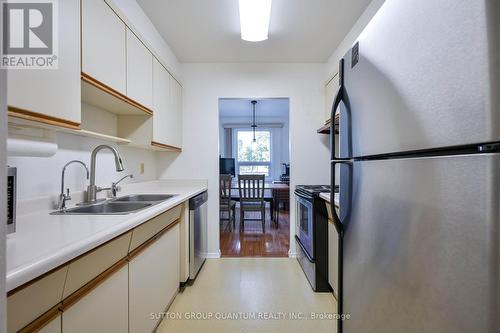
(304,224)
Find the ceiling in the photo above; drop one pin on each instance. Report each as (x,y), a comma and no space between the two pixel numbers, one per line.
(209,30)
(269,107)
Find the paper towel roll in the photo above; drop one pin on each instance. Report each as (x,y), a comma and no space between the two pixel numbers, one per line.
(20,145)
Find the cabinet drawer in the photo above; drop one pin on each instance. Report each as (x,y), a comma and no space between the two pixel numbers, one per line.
(84,269)
(27,304)
(147,230)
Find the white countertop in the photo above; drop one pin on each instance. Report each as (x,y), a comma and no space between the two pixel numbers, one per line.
(43,242)
(326,196)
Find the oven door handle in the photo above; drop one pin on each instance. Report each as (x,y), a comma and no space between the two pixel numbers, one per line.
(311,260)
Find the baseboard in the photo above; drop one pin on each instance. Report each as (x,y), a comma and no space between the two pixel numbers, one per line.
(213,255)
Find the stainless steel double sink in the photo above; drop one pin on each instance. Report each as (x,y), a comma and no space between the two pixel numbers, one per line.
(119,206)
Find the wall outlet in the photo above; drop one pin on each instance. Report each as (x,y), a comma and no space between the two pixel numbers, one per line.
(141,168)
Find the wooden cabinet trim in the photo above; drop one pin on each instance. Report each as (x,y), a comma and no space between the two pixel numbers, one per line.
(164,146)
(138,250)
(27,284)
(42,321)
(99,85)
(98,280)
(41,118)
(72,299)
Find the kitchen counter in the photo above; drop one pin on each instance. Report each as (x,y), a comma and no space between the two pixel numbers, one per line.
(326,197)
(43,242)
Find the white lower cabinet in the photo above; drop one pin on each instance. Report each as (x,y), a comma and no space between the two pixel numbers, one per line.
(54,326)
(104,309)
(333,257)
(153,281)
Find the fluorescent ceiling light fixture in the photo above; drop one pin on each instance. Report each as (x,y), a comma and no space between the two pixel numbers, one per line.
(254,19)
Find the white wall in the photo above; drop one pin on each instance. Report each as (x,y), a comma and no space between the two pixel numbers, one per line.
(40,176)
(134,16)
(350,38)
(3,193)
(204,84)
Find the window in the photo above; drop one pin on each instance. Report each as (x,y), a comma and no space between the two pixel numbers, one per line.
(253,157)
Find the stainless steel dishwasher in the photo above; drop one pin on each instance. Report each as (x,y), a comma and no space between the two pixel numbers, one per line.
(197,233)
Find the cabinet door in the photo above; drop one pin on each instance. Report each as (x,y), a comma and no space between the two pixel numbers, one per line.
(139,71)
(104,309)
(54,93)
(161,103)
(330,91)
(54,326)
(333,259)
(103,45)
(153,281)
(175,114)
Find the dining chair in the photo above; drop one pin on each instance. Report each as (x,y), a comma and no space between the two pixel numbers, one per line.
(225,202)
(251,190)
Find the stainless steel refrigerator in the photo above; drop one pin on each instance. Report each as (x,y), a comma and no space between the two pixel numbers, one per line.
(419,167)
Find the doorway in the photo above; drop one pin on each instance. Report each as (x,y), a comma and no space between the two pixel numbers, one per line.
(254,177)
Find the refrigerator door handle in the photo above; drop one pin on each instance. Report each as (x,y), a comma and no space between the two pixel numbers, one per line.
(345,190)
(336,103)
(339,98)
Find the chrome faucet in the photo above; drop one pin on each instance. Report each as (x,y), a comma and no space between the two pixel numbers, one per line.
(63,197)
(114,186)
(92,189)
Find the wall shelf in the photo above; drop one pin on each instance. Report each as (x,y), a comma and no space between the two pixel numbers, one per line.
(325,129)
(22,124)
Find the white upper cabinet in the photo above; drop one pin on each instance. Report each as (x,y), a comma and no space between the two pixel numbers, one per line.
(167,107)
(104,45)
(330,91)
(139,71)
(161,103)
(175,113)
(53,93)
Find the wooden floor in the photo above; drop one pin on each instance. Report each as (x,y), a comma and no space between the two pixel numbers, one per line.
(251,242)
